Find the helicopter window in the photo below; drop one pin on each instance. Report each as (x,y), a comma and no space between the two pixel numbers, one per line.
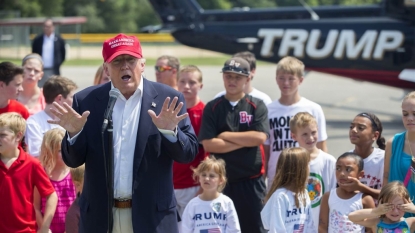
(409,2)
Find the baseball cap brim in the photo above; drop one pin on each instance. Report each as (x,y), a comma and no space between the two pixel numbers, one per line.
(230,69)
(123,52)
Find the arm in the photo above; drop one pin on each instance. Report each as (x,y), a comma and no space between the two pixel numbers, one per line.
(232,221)
(356,185)
(72,218)
(50,207)
(323,224)
(216,145)
(245,139)
(187,219)
(369,217)
(273,214)
(322,146)
(266,160)
(36,205)
(63,50)
(388,156)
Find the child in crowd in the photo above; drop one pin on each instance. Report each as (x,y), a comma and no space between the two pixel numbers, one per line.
(394,201)
(322,177)
(210,211)
(338,203)
(56,89)
(60,177)
(20,173)
(189,84)
(100,76)
(11,79)
(32,96)
(366,129)
(287,204)
(290,75)
(73,214)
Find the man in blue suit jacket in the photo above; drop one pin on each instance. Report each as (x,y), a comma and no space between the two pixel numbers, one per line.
(145,145)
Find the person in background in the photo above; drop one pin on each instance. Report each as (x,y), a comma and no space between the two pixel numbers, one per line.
(20,174)
(211,211)
(249,89)
(167,69)
(287,204)
(60,177)
(73,214)
(11,79)
(100,76)
(57,89)
(400,151)
(51,47)
(190,83)
(32,96)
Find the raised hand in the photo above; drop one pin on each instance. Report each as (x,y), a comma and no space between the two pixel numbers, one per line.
(407,207)
(168,118)
(68,118)
(353,184)
(384,208)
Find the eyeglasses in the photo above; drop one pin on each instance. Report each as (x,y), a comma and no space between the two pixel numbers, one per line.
(235,70)
(162,68)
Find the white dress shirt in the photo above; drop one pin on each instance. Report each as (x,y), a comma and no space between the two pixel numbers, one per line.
(47,50)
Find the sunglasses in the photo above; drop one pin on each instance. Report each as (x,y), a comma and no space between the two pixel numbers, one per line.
(162,68)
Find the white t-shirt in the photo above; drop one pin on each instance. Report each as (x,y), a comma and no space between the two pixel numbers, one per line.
(255,93)
(218,215)
(280,135)
(280,214)
(373,167)
(36,127)
(339,213)
(322,179)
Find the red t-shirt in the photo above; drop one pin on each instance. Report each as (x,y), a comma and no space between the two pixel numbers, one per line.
(16,193)
(15,106)
(182,173)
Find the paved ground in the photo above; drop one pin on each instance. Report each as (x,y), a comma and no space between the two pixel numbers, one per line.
(341,98)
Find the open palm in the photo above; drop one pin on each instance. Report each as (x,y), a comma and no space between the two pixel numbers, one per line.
(68,118)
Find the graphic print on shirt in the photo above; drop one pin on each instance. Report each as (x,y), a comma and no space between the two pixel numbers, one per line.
(298,228)
(396,230)
(244,117)
(341,223)
(315,188)
(371,181)
(219,219)
(280,130)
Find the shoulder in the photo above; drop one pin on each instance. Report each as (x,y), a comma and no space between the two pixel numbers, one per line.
(213,104)
(368,201)
(309,103)
(327,157)
(93,91)
(38,37)
(254,101)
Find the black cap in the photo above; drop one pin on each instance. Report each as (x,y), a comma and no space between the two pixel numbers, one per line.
(236,65)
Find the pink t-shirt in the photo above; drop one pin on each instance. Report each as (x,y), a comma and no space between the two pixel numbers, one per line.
(66,195)
(41,104)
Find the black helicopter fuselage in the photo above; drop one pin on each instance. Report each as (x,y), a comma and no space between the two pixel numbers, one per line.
(358,42)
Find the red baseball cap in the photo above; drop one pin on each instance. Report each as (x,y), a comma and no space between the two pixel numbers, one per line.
(119,45)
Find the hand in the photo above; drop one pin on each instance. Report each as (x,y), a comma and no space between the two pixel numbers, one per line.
(384,208)
(41,230)
(68,118)
(408,207)
(168,118)
(352,185)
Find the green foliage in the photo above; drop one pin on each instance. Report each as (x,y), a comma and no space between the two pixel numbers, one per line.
(94,23)
(51,7)
(215,4)
(253,4)
(27,8)
(146,14)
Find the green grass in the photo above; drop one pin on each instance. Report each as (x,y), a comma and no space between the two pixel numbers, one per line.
(150,61)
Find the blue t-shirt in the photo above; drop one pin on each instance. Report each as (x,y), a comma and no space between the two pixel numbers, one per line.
(401,226)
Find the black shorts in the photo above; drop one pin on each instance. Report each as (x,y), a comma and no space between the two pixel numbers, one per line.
(248,196)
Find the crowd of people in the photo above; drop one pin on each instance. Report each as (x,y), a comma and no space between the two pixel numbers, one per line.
(239,163)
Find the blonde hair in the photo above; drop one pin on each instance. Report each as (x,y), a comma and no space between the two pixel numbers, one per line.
(292,173)
(395,188)
(211,163)
(77,174)
(14,121)
(410,95)
(192,68)
(291,65)
(32,56)
(98,75)
(301,120)
(51,144)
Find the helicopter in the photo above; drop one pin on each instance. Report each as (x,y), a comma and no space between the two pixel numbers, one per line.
(374,43)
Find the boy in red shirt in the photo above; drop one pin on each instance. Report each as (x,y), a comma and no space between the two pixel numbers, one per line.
(20,173)
(189,84)
(11,79)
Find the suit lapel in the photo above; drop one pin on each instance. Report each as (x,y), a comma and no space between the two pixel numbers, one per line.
(145,123)
(100,106)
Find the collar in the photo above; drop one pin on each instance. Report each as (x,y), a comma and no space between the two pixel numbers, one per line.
(49,37)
